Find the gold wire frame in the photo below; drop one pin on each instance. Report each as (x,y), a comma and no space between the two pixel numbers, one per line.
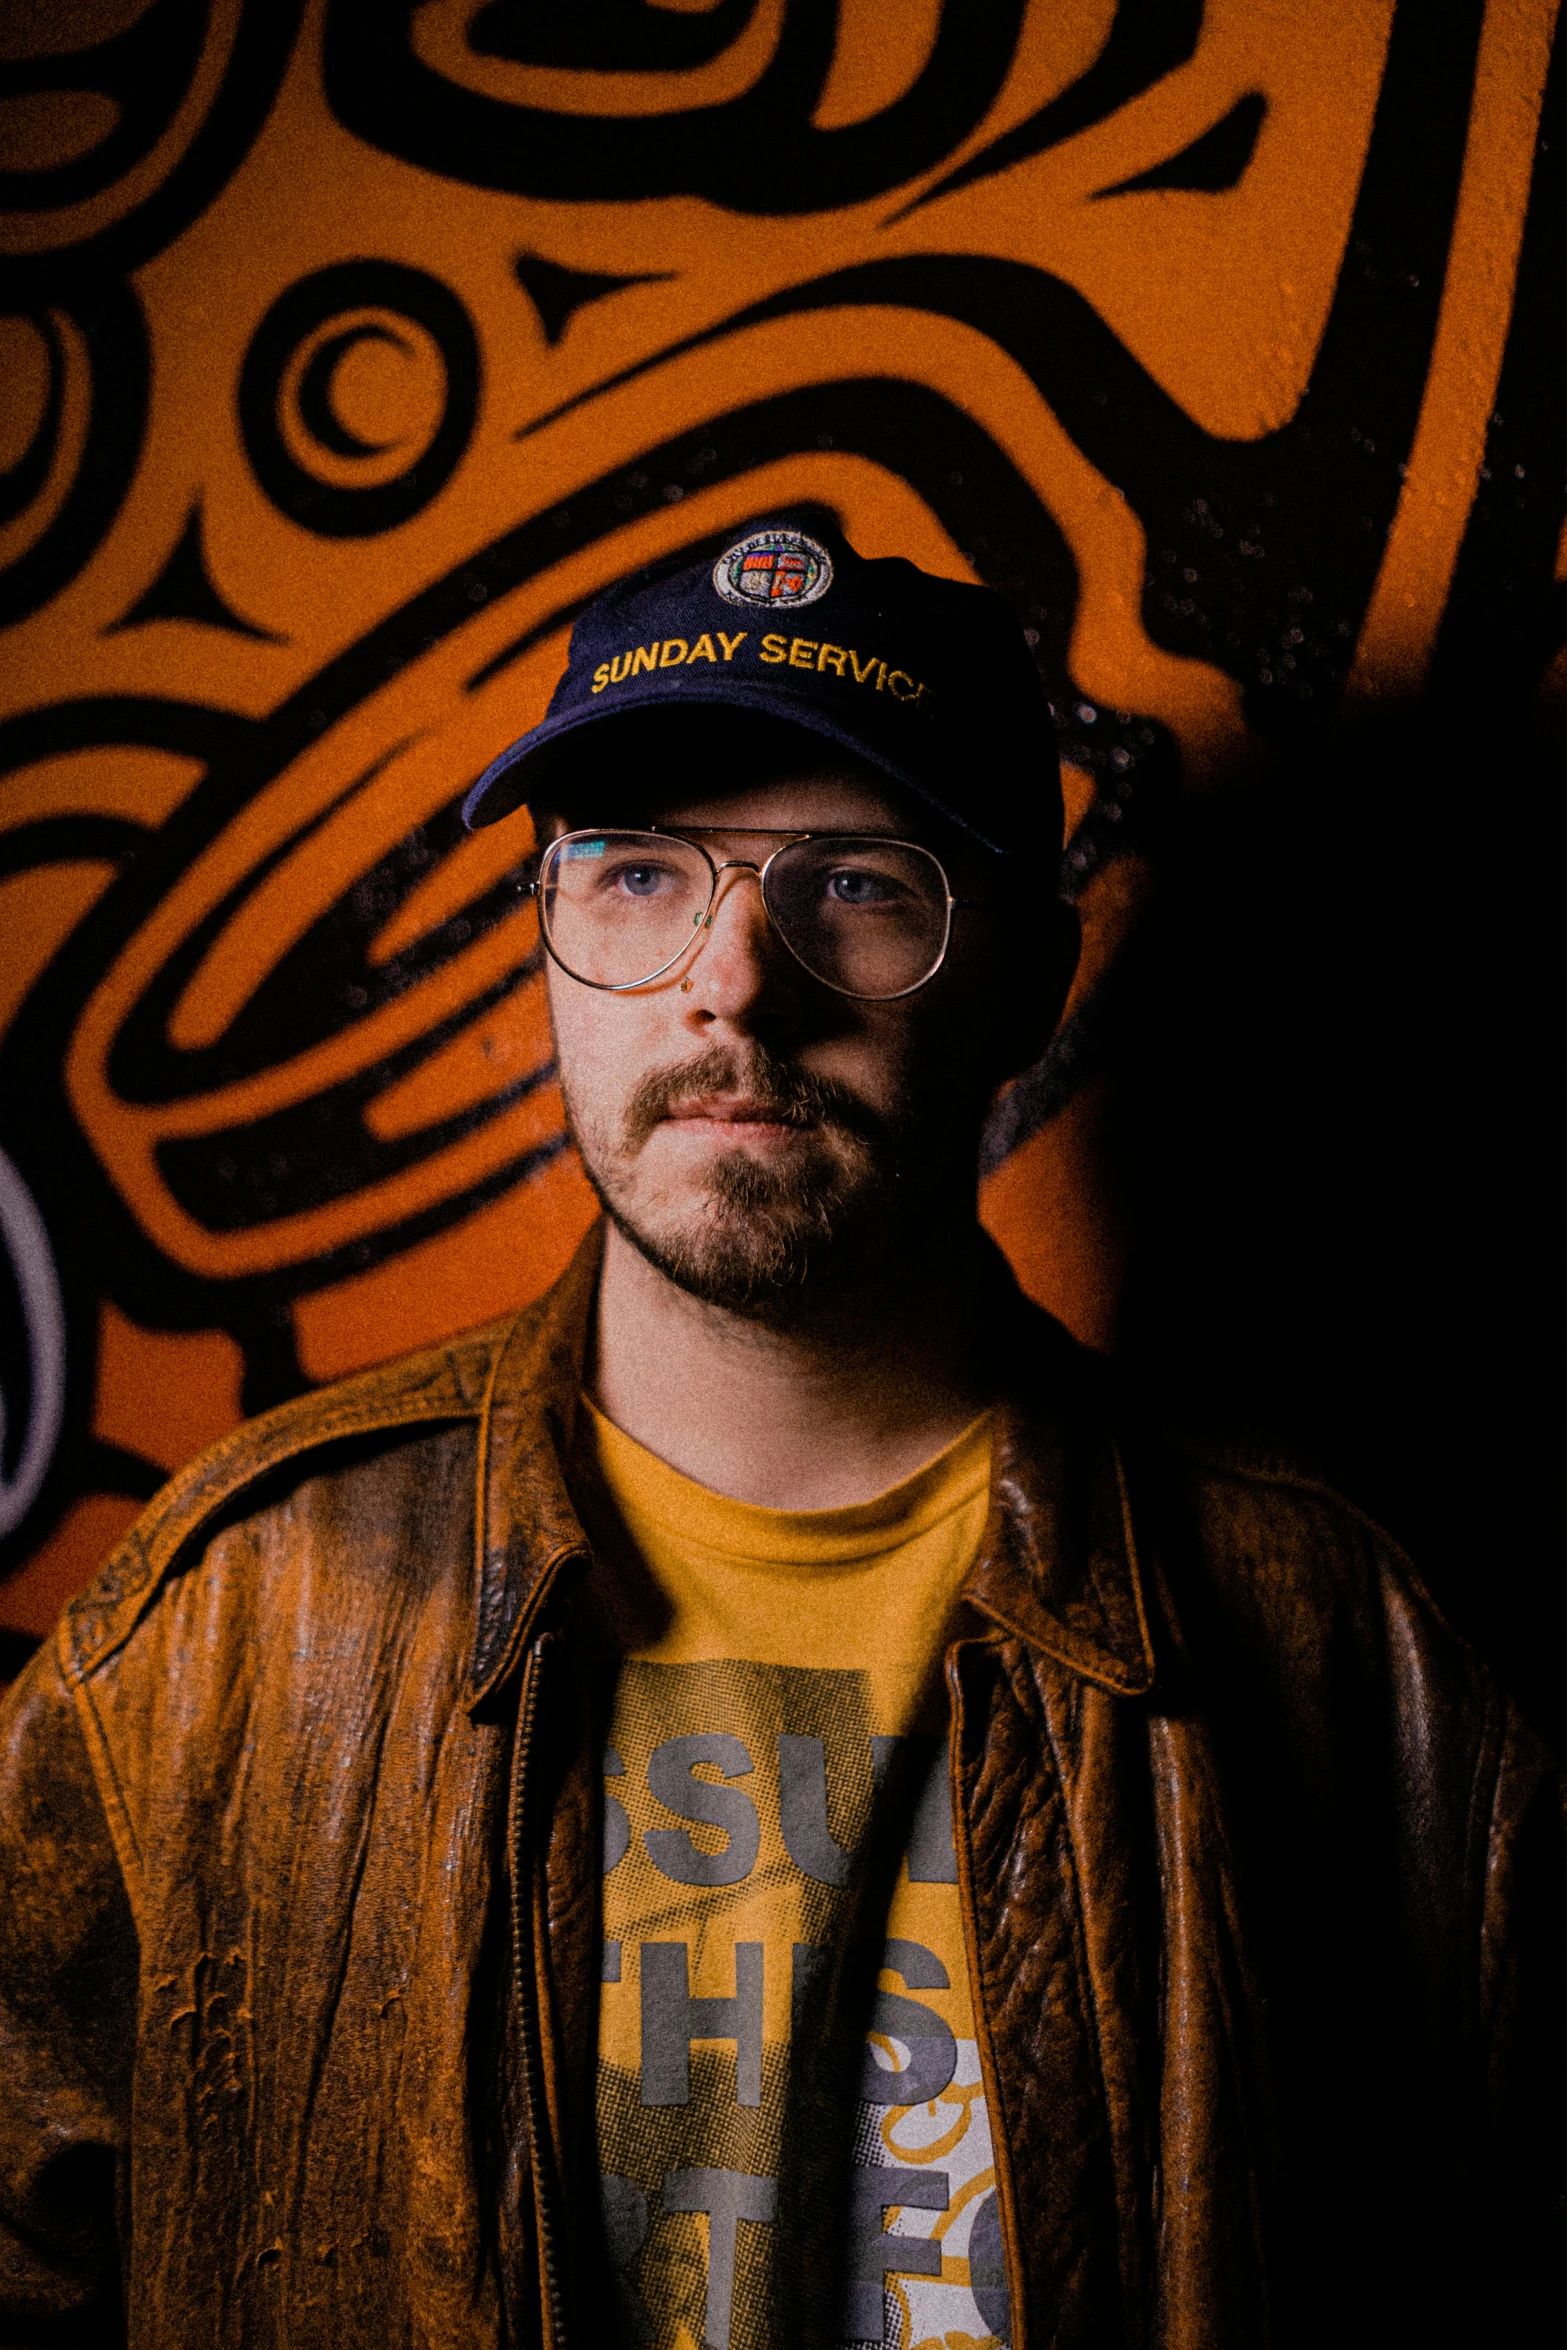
(703,921)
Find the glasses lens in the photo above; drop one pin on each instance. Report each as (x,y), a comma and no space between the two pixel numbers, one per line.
(867,916)
(618,907)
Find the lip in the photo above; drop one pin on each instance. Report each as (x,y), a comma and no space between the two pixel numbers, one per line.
(731,1113)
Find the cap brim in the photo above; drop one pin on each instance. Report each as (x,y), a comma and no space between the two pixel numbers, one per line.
(511,781)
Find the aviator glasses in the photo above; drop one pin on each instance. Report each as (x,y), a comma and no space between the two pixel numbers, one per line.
(864,915)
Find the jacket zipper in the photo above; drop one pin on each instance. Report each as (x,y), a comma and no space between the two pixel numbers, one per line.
(1005,2196)
(535,2103)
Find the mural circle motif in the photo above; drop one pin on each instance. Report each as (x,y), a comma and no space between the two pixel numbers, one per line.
(358,396)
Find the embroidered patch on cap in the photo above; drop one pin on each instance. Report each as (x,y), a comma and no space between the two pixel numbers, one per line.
(773,567)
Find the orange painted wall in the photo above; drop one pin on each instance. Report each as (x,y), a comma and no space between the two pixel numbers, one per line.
(346,349)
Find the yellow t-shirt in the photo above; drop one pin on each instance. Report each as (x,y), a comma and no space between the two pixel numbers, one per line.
(792,2127)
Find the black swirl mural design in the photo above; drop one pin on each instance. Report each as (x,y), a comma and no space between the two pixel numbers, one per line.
(112,145)
(383,90)
(77,372)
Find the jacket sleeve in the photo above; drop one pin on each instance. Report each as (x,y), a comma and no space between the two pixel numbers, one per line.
(1523,2015)
(68,1986)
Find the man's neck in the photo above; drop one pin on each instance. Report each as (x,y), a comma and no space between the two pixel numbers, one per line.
(830,1410)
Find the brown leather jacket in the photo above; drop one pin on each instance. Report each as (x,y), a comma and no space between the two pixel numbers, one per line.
(299,1884)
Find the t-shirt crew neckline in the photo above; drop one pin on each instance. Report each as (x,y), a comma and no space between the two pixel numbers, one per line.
(754,1534)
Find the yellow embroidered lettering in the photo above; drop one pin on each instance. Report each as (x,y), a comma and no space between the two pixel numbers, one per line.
(774,648)
(702,650)
(881,675)
(620,667)
(729,643)
(672,653)
(860,675)
(893,687)
(800,652)
(645,657)
(600,677)
(833,657)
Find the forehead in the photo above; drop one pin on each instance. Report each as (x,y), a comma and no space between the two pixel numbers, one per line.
(817,799)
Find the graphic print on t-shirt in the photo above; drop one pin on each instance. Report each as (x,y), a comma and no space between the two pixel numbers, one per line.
(792,2128)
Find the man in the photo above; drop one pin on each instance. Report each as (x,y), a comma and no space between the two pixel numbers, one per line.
(758,1803)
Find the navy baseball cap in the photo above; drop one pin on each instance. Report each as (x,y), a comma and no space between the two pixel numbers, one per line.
(928,680)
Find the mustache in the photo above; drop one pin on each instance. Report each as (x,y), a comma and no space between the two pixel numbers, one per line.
(791,1096)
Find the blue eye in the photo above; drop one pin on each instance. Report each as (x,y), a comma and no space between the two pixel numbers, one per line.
(850,888)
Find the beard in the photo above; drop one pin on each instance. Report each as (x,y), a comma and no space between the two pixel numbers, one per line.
(760,1240)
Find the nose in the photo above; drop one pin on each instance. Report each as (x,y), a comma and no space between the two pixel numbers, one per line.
(740,972)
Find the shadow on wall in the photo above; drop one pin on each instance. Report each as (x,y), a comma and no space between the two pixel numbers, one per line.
(1338,1077)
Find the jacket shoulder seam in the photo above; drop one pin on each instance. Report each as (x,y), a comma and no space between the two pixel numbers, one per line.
(445,1383)
(1220,1465)
(1242,1469)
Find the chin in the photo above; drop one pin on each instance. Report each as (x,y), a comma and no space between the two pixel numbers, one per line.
(767,1241)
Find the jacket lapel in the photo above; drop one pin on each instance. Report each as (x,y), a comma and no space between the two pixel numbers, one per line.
(525,1526)
(1056,1843)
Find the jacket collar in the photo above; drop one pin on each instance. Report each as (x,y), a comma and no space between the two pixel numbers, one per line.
(1057,1565)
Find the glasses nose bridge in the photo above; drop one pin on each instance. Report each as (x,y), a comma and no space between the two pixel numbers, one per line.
(721,891)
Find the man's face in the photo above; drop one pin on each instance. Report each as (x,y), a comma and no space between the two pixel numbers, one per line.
(754,1133)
